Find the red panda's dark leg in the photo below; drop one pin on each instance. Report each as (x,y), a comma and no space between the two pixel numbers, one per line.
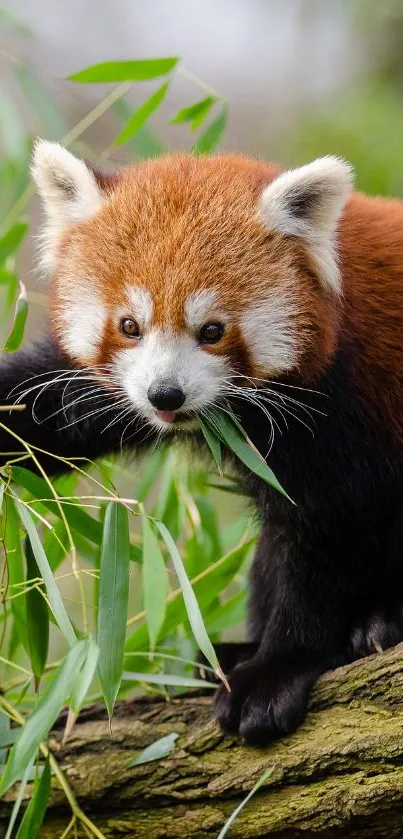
(67,413)
(301,624)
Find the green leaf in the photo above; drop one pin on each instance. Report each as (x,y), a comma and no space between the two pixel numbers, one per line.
(44,715)
(113,599)
(82,685)
(192,607)
(77,518)
(150,472)
(229,614)
(213,442)
(12,239)
(156,751)
(142,114)
(25,777)
(53,593)
(83,681)
(155,582)
(194,114)
(10,296)
(210,583)
(125,71)
(7,737)
(5,733)
(7,276)
(56,544)
(16,576)
(37,617)
(145,143)
(167,679)
(16,336)
(240,807)
(35,812)
(209,140)
(232,434)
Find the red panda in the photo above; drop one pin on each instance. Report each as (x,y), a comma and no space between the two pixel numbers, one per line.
(184,283)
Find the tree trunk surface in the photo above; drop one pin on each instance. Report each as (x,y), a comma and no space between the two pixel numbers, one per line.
(340,776)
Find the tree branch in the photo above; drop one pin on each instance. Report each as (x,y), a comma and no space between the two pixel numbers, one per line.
(340,775)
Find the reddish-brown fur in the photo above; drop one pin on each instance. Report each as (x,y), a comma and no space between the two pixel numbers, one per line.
(181,223)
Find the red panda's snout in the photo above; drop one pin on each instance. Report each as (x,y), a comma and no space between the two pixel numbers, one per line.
(180,278)
(169,378)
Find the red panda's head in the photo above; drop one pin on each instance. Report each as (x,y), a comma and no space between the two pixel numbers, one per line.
(179,273)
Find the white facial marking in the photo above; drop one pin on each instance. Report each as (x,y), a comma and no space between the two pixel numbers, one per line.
(163,354)
(307,202)
(82,322)
(69,193)
(269,332)
(201,307)
(141,304)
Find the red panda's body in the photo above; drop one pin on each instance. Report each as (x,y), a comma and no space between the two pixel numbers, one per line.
(184,283)
(371,237)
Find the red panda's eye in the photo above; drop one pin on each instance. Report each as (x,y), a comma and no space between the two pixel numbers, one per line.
(130,328)
(211,333)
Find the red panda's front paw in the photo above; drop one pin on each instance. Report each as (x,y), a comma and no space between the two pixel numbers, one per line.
(267,699)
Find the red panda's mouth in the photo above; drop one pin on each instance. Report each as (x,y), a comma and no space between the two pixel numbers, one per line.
(167,416)
(176,418)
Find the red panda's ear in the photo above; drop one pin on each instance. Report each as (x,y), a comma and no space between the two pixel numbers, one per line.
(307,202)
(69,189)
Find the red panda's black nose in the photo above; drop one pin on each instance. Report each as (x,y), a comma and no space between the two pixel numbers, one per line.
(166,395)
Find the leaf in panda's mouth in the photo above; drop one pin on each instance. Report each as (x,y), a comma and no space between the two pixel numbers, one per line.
(225,429)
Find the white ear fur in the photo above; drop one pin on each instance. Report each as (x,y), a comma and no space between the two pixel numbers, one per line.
(307,202)
(68,190)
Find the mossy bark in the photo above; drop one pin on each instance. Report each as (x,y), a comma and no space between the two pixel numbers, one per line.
(340,775)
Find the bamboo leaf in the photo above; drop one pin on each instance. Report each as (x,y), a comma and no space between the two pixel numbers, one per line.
(125,71)
(15,564)
(209,140)
(35,812)
(25,777)
(144,143)
(192,606)
(113,599)
(167,679)
(78,519)
(213,442)
(156,751)
(37,618)
(16,336)
(234,437)
(142,114)
(5,734)
(12,239)
(10,296)
(240,807)
(194,114)
(45,713)
(81,686)
(155,582)
(53,593)
(210,583)
(83,681)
